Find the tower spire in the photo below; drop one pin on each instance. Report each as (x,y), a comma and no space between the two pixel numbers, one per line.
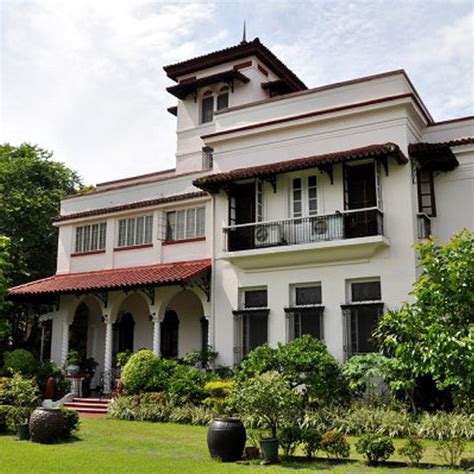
(244,35)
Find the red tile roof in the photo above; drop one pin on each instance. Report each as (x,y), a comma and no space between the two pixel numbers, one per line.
(213,182)
(437,156)
(233,53)
(130,206)
(116,279)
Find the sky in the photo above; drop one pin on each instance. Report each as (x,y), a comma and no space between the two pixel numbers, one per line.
(84,78)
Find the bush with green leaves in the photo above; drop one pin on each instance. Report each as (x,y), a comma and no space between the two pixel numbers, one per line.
(22,362)
(143,372)
(267,401)
(186,385)
(413,450)
(451,450)
(311,441)
(289,437)
(364,373)
(71,422)
(379,420)
(442,425)
(375,447)
(218,395)
(123,357)
(3,418)
(335,445)
(304,361)
(201,359)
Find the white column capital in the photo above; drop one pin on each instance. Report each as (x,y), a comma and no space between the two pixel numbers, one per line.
(107,319)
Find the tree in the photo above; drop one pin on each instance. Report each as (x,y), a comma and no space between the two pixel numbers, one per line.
(303,361)
(434,335)
(4,265)
(31,186)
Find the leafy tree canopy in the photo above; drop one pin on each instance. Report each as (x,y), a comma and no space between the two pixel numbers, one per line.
(31,186)
(434,334)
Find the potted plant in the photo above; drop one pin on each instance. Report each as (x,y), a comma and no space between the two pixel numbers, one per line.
(73,362)
(267,401)
(252,451)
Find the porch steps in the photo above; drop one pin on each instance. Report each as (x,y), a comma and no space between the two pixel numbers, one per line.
(89,406)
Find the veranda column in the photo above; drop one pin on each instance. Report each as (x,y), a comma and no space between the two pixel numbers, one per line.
(65,342)
(108,355)
(156,334)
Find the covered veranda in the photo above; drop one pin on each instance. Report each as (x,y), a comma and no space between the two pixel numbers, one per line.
(162,307)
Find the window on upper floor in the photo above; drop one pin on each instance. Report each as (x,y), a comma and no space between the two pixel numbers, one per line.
(304,196)
(207,158)
(207,107)
(135,231)
(90,238)
(223,98)
(362,185)
(426,194)
(186,224)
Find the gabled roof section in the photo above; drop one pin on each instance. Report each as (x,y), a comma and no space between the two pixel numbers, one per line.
(214,182)
(242,50)
(115,279)
(182,90)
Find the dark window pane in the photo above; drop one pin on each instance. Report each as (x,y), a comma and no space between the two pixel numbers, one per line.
(307,295)
(307,322)
(207,110)
(255,328)
(256,299)
(222,101)
(360,185)
(363,323)
(366,291)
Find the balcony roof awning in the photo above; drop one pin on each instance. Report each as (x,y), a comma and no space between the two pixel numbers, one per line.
(279,87)
(435,156)
(214,182)
(183,89)
(106,280)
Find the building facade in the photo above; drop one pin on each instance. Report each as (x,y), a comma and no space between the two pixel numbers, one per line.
(290,211)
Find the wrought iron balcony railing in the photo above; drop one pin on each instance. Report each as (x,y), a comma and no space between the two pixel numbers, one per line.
(304,230)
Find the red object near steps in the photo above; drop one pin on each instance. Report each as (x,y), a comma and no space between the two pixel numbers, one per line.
(89,406)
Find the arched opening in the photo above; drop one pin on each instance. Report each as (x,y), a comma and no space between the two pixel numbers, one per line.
(124,332)
(79,330)
(169,335)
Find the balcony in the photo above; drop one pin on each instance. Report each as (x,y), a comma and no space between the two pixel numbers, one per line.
(344,235)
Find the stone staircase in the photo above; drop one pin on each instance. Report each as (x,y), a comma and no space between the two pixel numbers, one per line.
(89,406)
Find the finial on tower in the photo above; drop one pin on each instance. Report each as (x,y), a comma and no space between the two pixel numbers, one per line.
(244,35)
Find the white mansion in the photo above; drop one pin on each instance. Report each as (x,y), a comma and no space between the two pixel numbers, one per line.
(290,211)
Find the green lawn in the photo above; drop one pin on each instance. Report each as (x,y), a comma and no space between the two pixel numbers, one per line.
(113,446)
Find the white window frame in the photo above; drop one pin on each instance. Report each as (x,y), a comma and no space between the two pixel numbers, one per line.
(242,292)
(295,286)
(305,198)
(135,231)
(90,237)
(198,225)
(362,280)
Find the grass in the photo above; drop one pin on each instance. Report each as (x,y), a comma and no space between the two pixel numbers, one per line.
(113,446)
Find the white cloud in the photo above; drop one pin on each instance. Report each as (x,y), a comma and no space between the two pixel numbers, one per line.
(84,77)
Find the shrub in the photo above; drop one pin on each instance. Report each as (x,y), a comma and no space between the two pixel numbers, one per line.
(19,391)
(201,359)
(412,450)
(186,385)
(335,445)
(363,371)
(375,447)
(21,361)
(289,437)
(443,425)
(451,450)
(3,419)
(311,439)
(71,422)
(303,361)
(124,408)
(123,357)
(267,400)
(378,420)
(141,372)
(218,394)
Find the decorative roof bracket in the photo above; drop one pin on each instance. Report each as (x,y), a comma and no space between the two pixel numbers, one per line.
(328,169)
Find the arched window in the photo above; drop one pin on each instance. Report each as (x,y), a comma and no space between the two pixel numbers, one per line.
(126,331)
(207,107)
(169,335)
(79,330)
(223,98)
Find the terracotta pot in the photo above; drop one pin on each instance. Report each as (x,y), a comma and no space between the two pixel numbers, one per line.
(252,452)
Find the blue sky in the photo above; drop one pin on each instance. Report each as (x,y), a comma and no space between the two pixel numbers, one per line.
(84,78)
